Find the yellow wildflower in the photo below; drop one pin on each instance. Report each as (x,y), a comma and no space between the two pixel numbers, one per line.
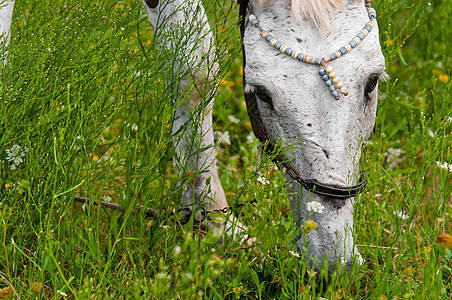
(444,239)
(408,271)
(226,82)
(443,77)
(309,226)
(6,292)
(36,287)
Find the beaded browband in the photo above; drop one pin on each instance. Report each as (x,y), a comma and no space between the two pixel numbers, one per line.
(326,71)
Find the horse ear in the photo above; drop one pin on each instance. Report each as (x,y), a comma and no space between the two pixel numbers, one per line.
(152,3)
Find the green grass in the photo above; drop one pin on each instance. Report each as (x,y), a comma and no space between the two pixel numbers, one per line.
(87,94)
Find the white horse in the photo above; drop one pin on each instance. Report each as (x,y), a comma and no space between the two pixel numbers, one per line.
(288,100)
(310,77)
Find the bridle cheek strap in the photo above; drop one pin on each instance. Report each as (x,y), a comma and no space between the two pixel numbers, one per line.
(254,115)
(312,185)
(250,98)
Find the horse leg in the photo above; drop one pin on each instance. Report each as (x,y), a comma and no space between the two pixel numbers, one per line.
(195,153)
(6,15)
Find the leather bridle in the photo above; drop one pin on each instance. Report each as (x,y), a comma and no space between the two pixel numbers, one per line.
(312,185)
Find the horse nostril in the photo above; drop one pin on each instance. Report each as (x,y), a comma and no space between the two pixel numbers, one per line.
(332,203)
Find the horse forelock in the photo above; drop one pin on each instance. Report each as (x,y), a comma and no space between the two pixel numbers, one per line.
(318,11)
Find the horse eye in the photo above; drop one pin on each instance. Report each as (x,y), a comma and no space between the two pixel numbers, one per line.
(371,85)
(264,95)
(152,3)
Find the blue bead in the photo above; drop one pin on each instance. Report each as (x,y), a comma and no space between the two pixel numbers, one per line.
(353,44)
(333,56)
(325,77)
(335,93)
(332,88)
(368,28)
(322,71)
(289,51)
(278,45)
(329,82)
(268,38)
(300,56)
(317,61)
(361,36)
(373,15)
(254,22)
(343,51)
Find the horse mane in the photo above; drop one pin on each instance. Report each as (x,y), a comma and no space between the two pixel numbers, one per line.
(319,11)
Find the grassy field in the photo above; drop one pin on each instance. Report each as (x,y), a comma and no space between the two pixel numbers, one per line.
(85,111)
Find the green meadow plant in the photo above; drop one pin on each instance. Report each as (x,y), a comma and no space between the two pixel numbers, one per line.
(87,100)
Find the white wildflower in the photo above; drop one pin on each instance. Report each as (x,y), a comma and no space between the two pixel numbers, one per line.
(394,157)
(445,166)
(402,215)
(14,155)
(162,275)
(394,152)
(106,157)
(62,294)
(177,250)
(293,253)
(106,199)
(250,138)
(315,207)
(223,138)
(342,261)
(431,133)
(263,180)
(233,119)
(377,195)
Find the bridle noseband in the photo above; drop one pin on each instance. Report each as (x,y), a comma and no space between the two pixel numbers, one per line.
(312,185)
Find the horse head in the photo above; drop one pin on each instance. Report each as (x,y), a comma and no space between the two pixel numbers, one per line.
(311,71)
